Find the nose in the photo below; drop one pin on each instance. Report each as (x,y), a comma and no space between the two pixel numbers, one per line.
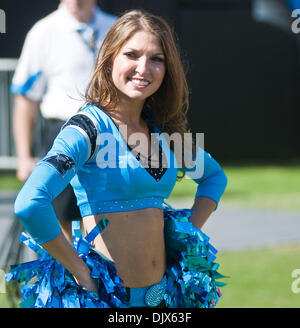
(142,65)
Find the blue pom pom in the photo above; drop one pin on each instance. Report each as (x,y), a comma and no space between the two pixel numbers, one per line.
(191,275)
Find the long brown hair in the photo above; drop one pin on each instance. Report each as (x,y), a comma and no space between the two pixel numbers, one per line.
(170,102)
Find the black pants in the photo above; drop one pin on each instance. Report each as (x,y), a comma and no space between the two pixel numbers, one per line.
(65,204)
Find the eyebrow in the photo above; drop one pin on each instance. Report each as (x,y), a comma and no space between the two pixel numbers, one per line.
(156,54)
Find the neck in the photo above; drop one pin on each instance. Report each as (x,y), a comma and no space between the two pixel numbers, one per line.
(82,15)
(129,114)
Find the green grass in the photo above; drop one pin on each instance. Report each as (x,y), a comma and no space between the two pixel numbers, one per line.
(260,278)
(9,182)
(4,303)
(268,187)
(264,186)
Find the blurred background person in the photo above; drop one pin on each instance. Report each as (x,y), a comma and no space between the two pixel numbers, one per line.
(56,62)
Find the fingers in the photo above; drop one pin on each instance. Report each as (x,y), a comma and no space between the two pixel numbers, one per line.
(25,167)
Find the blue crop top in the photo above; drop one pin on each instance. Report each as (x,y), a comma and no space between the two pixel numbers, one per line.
(92,155)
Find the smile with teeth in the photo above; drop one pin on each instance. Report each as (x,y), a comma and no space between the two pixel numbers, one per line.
(140,82)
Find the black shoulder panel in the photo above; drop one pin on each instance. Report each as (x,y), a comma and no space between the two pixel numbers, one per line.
(86,124)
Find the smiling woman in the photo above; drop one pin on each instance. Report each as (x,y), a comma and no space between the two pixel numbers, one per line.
(171,97)
(138,251)
(138,69)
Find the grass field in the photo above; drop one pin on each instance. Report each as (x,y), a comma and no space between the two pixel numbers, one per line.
(9,182)
(260,278)
(4,303)
(268,187)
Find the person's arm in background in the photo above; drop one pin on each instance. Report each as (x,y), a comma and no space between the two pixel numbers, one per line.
(29,85)
(24,119)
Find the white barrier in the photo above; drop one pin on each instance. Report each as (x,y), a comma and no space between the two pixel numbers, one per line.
(7,157)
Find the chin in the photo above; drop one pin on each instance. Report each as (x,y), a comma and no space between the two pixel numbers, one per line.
(143,94)
(137,96)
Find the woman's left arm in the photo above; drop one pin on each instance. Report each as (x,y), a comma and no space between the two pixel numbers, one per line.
(203,207)
(212,182)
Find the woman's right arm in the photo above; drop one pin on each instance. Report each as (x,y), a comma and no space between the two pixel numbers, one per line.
(63,252)
(33,205)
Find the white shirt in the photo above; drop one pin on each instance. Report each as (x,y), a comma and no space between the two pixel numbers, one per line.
(57,61)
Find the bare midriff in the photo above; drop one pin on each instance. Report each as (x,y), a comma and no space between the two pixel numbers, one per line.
(134,241)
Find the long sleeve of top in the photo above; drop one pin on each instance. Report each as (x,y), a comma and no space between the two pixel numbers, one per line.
(209,176)
(50,177)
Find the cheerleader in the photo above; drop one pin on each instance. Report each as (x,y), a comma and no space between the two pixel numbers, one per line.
(116,152)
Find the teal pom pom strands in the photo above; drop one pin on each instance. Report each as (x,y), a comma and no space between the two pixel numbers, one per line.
(54,286)
(191,275)
(191,270)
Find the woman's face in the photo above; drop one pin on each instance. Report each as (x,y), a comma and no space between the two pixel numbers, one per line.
(139,67)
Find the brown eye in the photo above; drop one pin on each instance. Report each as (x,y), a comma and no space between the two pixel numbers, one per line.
(158,59)
(131,55)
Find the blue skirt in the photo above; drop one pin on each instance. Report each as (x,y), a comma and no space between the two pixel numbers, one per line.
(192,277)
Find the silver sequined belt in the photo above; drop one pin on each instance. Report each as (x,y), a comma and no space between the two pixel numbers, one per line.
(151,296)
